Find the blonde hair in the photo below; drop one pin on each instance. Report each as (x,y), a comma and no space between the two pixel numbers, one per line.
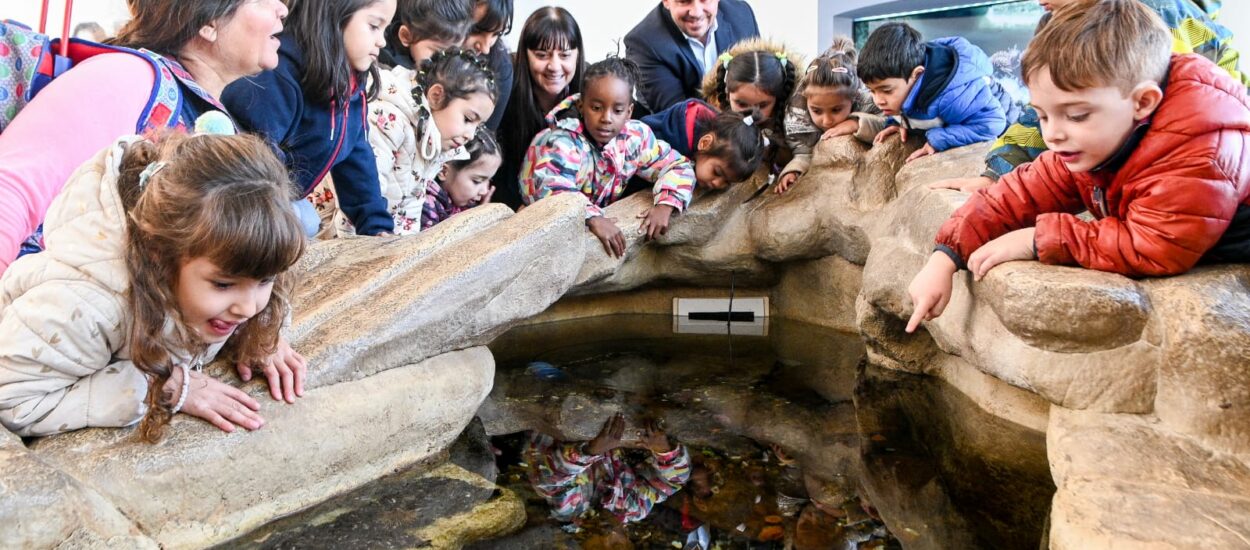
(224,198)
(1094,43)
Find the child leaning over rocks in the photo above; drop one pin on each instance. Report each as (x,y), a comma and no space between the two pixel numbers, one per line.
(1152,144)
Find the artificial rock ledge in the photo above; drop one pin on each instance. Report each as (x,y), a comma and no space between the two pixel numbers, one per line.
(1151,372)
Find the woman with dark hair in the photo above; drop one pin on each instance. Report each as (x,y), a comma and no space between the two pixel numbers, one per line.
(313,106)
(492,20)
(181,56)
(549,63)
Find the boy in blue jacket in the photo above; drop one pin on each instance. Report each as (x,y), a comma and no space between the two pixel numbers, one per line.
(942,88)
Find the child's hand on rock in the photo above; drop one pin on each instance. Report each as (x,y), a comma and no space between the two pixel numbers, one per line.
(787,179)
(284,369)
(921,152)
(609,234)
(930,290)
(222,405)
(847,127)
(889,131)
(967,185)
(1017,245)
(655,221)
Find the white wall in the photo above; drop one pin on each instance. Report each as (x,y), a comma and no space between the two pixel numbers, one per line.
(1236,16)
(105,12)
(604,23)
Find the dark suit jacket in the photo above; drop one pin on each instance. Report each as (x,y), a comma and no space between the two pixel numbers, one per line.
(670,71)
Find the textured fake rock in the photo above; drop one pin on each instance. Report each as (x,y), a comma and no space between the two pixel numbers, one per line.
(1149,434)
(42,507)
(201,486)
(444,509)
(821,292)
(1204,371)
(1129,481)
(723,237)
(367,305)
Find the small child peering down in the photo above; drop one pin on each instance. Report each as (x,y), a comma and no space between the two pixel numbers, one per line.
(593,147)
(463,183)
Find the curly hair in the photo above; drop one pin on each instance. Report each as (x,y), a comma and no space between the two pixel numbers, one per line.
(223,198)
(461,72)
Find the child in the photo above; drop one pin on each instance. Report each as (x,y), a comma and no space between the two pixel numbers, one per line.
(592,147)
(755,74)
(724,147)
(828,103)
(1150,143)
(942,88)
(463,183)
(159,256)
(574,477)
(423,27)
(492,20)
(420,121)
(1193,30)
(313,106)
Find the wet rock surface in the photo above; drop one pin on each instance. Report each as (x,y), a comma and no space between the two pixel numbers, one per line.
(444,509)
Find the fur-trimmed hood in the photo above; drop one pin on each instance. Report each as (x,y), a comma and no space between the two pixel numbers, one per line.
(712,80)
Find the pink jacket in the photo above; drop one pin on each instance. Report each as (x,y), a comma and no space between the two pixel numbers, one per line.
(75,117)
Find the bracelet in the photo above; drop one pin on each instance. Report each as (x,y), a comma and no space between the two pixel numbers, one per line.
(186,385)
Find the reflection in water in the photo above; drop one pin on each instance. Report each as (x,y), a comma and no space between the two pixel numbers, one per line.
(574,477)
(763,427)
(617,433)
(792,443)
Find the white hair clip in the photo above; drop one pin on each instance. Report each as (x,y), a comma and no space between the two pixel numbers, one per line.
(148,172)
(748,120)
(840,70)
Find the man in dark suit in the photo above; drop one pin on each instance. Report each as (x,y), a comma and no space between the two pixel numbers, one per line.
(679,41)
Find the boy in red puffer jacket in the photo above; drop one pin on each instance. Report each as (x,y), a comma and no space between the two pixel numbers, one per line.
(1154,145)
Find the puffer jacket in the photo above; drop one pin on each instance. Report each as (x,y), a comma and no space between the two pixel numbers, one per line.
(563,159)
(1176,193)
(956,101)
(408,149)
(64,358)
(1193,31)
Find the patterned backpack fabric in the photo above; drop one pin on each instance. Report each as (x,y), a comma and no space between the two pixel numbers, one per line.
(21,50)
(29,61)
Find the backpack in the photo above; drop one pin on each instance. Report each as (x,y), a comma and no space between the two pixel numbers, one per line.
(30,60)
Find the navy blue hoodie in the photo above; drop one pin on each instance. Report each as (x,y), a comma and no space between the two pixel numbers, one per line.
(314,139)
(678,125)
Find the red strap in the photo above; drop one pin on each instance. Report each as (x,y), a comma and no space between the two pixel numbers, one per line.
(69,10)
(43,18)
